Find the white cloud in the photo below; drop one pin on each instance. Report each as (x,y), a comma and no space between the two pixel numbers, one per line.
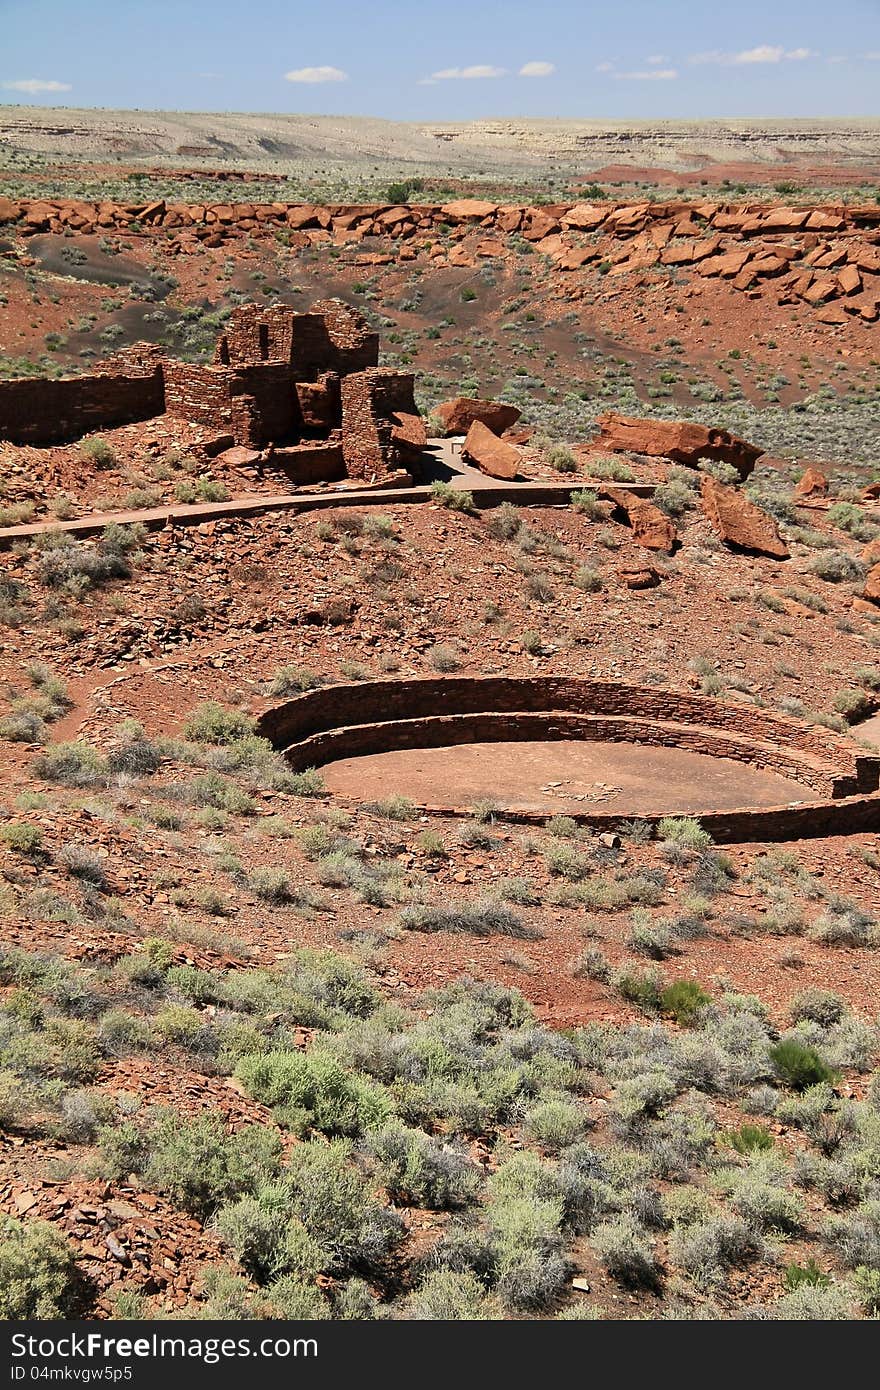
(537,70)
(477,70)
(657,59)
(36,84)
(604,67)
(648,75)
(873,57)
(319,74)
(762,53)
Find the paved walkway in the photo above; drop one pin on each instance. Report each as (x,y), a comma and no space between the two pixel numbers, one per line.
(443,463)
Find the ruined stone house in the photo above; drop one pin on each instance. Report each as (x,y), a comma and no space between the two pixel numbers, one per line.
(306,386)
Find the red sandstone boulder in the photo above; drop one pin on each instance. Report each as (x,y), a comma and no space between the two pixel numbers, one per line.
(820,291)
(651,528)
(638,576)
(812,484)
(739,522)
(727,265)
(9,211)
(584,218)
(871,590)
(784,220)
(572,258)
(457,416)
(408,434)
(301,216)
(239,457)
(468,210)
(682,441)
(489,453)
(871,552)
(539,225)
(37,215)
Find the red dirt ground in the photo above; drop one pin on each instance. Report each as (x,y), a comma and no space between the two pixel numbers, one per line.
(558,778)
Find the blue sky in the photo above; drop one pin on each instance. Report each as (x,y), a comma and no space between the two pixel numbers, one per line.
(458,60)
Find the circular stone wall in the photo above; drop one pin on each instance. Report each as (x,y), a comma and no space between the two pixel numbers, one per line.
(601,751)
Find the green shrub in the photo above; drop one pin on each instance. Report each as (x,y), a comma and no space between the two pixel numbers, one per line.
(627,1252)
(298,1300)
(587,502)
(505,522)
(38,1276)
(453,498)
(758,1194)
(796,1275)
(309,782)
(447,1295)
(485,917)
(22,838)
(71,764)
(98,451)
(820,1006)
(867,1286)
(710,1244)
(611,469)
(589,580)
(853,705)
(640,987)
(312,1091)
(417,1170)
(265,1240)
(199,1166)
(812,1303)
(836,567)
(444,657)
(213,790)
(684,999)
(799,1066)
(685,831)
(211,723)
(749,1139)
(395,808)
(293,680)
(554,1123)
(273,886)
(562,459)
(335,1205)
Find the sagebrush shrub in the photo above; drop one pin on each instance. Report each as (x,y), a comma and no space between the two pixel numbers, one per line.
(313,1091)
(38,1277)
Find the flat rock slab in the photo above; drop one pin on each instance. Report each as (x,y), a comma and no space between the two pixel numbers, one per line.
(682,441)
(491,454)
(458,415)
(738,521)
(651,528)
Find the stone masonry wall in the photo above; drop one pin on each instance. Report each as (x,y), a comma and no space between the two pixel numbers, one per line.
(339,705)
(35,410)
(369,399)
(256,403)
(340,721)
(441,731)
(332,336)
